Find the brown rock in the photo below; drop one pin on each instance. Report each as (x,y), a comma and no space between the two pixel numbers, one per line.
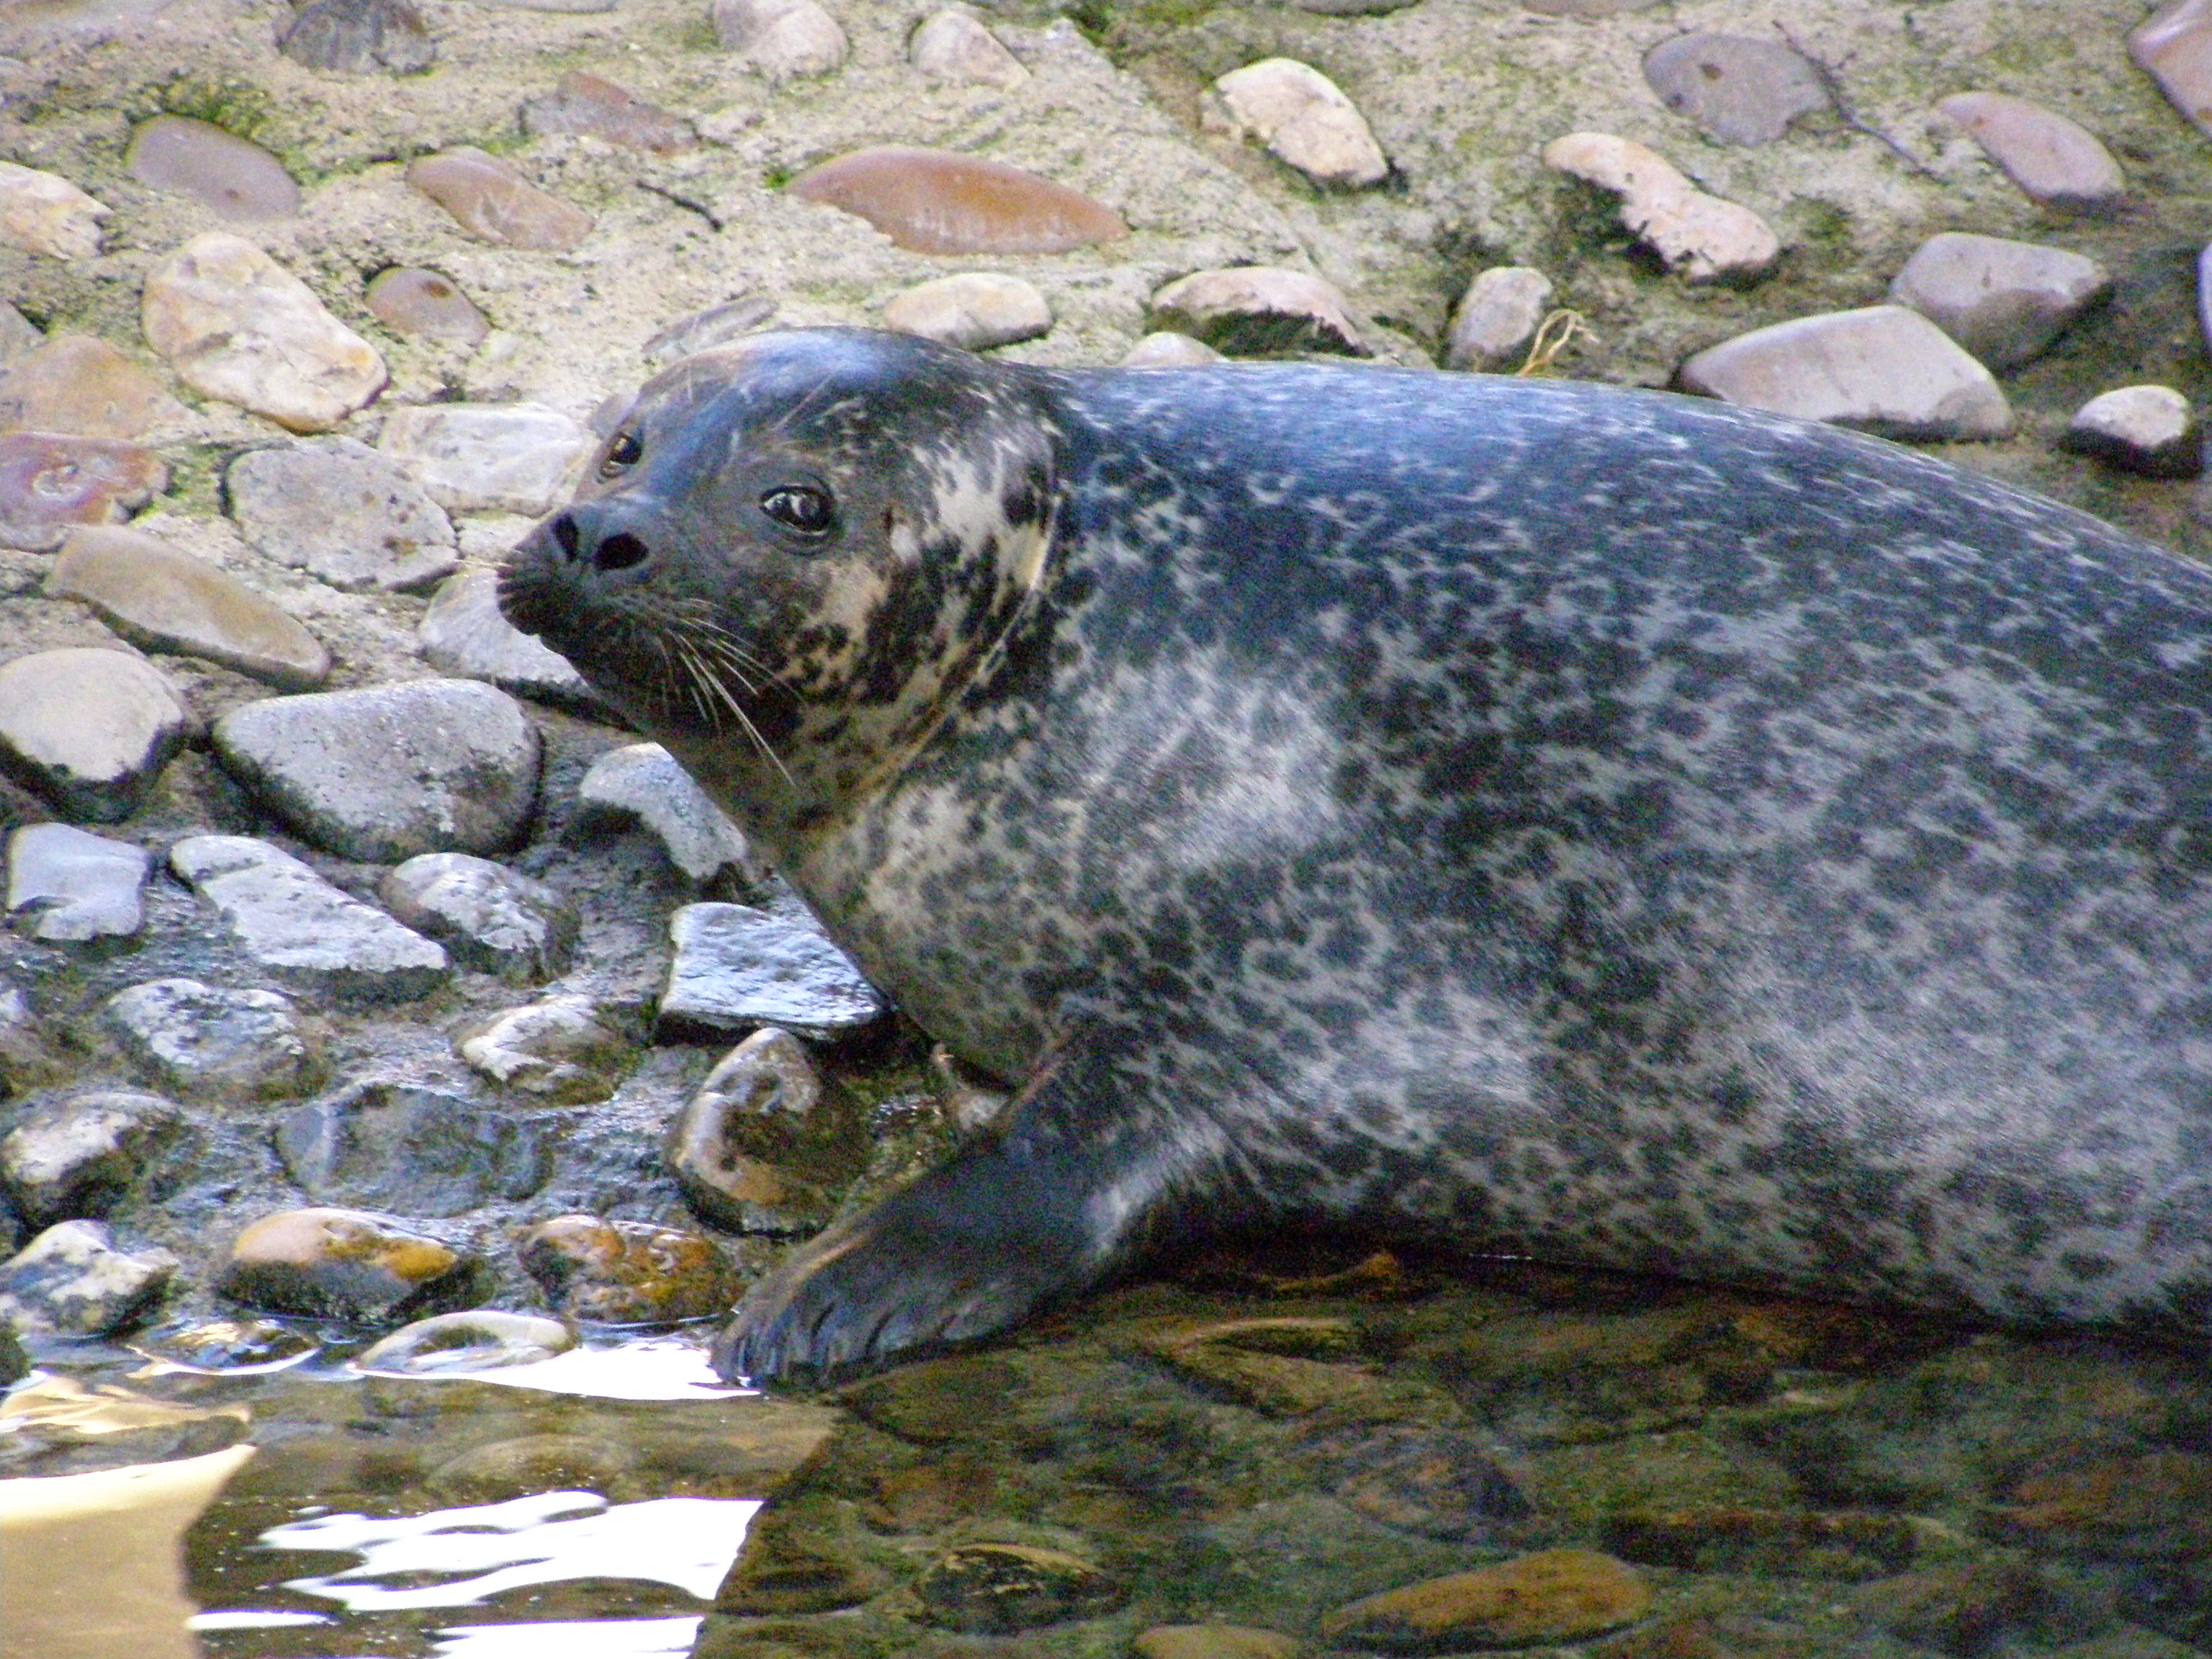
(2057,161)
(2157,1504)
(490,199)
(409,300)
(344,1264)
(1214,1642)
(932,201)
(82,386)
(50,483)
(43,213)
(764,1146)
(584,103)
(996,1589)
(2174,46)
(1837,1544)
(627,1273)
(234,176)
(1555,1595)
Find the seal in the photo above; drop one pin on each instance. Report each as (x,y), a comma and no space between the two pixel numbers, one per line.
(1611,827)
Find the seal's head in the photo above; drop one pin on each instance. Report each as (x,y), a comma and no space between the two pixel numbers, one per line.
(793,554)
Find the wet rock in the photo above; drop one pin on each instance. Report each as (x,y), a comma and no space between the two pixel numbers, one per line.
(998,1589)
(488,916)
(2174,46)
(2156,1504)
(2147,430)
(737,967)
(507,458)
(932,201)
(89,729)
(414,299)
(503,1470)
(479,1340)
(228,1345)
(302,930)
(2004,301)
(1738,89)
(72,1281)
(1437,1481)
(489,200)
(974,310)
(43,213)
(388,1145)
(463,632)
(764,1146)
(971,1100)
(1556,1596)
(781,39)
(385,772)
(233,176)
(358,37)
(79,1157)
(49,483)
(805,1553)
(1962,1610)
(937,1400)
(584,103)
(1886,368)
(954,44)
(559,1049)
(323,1263)
(1498,318)
(1701,238)
(210,1043)
(64,885)
(2055,161)
(1302,120)
(1282,1366)
(1255,310)
(1734,1538)
(628,1272)
(701,330)
(642,783)
(162,599)
(1165,349)
(336,507)
(1214,1642)
(236,325)
(84,387)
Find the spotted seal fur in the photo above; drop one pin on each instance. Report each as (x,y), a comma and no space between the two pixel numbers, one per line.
(1614,827)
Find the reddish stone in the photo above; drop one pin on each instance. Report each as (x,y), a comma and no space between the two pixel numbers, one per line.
(49,482)
(932,201)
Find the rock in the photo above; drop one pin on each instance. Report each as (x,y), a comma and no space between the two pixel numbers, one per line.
(2147,430)
(479,1340)
(385,772)
(162,599)
(236,325)
(1252,310)
(971,1100)
(18,338)
(1696,236)
(2004,301)
(64,885)
(228,1345)
(1439,1482)
(2174,45)
(1556,1596)
(89,729)
(974,310)
(1741,1538)
(954,44)
(71,1280)
(998,1589)
(2054,161)
(1883,367)
(737,967)
(76,384)
(212,1044)
(463,632)
(2148,1505)
(1165,349)
(345,1264)
(781,39)
(413,299)
(805,1553)
(1587,9)
(1738,89)
(43,213)
(302,930)
(1214,1642)
(336,507)
(358,37)
(1285,1367)
(641,783)
(489,200)
(932,201)
(937,1402)
(763,1147)
(234,177)
(1498,318)
(507,458)
(701,330)
(628,1272)
(558,1049)
(50,483)
(1302,120)
(78,1156)
(584,103)
(1966,1610)
(488,917)
(385,1145)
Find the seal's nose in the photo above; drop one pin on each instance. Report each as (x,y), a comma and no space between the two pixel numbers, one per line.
(587,534)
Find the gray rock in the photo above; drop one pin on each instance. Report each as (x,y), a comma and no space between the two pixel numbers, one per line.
(974,310)
(358,37)
(328,1263)
(71,1280)
(1737,87)
(1303,119)
(18,336)
(2174,46)
(1165,349)
(737,967)
(228,1345)
(464,634)
(210,1043)
(398,1146)
(558,1048)
(78,1156)
(388,771)
(642,782)
(1885,368)
(1699,237)
(781,39)
(764,1148)
(89,729)
(478,1339)
(66,884)
(1498,318)
(507,458)
(2147,430)
(335,508)
(488,916)
(701,330)
(2054,161)
(970,1099)
(2004,301)
(955,44)
(302,930)
(1252,310)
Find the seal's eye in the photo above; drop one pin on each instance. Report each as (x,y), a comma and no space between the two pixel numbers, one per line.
(624,451)
(801,506)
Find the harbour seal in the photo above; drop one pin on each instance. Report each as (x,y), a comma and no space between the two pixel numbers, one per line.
(1613,827)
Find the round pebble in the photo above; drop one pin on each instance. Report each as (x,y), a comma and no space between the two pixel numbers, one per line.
(764,1146)
(491,200)
(488,916)
(932,201)
(210,1043)
(641,783)
(71,1280)
(89,729)
(324,1263)
(1498,317)
(558,1049)
(76,384)
(1699,237)
(352,516)
(736,968)
(954,44)
(1303,119)
(998,1590)
(228,1345)
(1165,349)
(1254,310)
(476,1340)
(49,485)
(1738,88)
(781,39)
(67,886)
(235,177)
(974,310)
(413,299)
(2005,301)
(2057,162)
(386,1144)
(2146,429)
(78,1156)
(1557,1595)
(588,103)
(627,1273)
(358,37)
(43,213)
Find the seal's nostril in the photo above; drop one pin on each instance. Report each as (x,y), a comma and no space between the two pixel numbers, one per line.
(619,552)
(564,531)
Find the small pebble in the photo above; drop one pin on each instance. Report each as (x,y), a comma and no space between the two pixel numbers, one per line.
(2004,301)
(50,484)
(233,176)
(1303,119)
(1498,318)
(479,1339)
(78,1156)
(972,309)
(2054,161)
(386,1144)
(701,330)
(1000,1589)
(781,39)
(89,729)
(1738,89)
(736,968)
(955,44)
(585,103)
(641,782)
(78,385)
(628,1272)
(228,1345)
(324,1263)
(413,299)
(503,457)
(214,1043)
(764,1148)
(67,886)
(354,517)
(358,37)
(43,213)
(558,1049)
(1696,236)
(932,201)
(1214,1642)
(488,916)
(462,633)
(1556,1596)
(71,1280)
(491,200)
(1254,310)
(2147,430)
(2174,45)
(1165,349)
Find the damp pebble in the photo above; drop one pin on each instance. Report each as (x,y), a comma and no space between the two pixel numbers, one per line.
(414,300)
(628,1272)
(1885,368)
(1000,1589)
(1439,1482)
(971,309)
(208,1042)
(764,1146)
(50,483)
(1255,310)
(352,516)
(1303,119)
(2174,45)
(1498,317)
(384,772)
(1701,238)
(954,44)
(558,1049)
(1555,1595)
(302,930)
(736,968)
(43,213)
(84,387)
(1214,1642)
(1165,349)
(462,633)
(488,916)
(476,1340)
(388,1145)
(65,885)
(236,325)
(78,1156)
(89,729)
(2004,301)
(781,39)
(2146,429)
(585,103)
(70,1281)
(718,325)
(1738,89)
(505,457)
(358,37)
(228,1345)
(233,176)
(2054,161)
(932,201)
(326,1263)
(641,783)
(163,599)
(491,200)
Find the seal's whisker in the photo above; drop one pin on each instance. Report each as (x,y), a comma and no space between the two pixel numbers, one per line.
(705,675)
